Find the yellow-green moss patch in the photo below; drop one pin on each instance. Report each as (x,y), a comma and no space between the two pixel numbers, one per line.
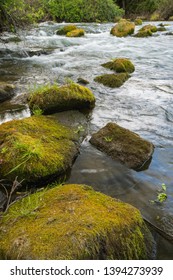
(120,65)
(146,31)
(36,148)
(73,222)
(123,28)
(123,145)
(54,98)
(76,33)
(112,80)
(138,21)
(64,30)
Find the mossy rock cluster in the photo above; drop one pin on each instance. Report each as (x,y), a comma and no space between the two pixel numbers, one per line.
(120,65)
(6,91)
(36,149)
(54,98)
(123,145)
(123,28)
(146,31)
(71,30)
(112,80)
(73,222)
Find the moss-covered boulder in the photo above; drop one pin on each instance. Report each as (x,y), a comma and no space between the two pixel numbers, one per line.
(120,65)
(76,33)
(73,222)
(53,98)
(146,31)
(37,149)
(112,80)
(123,28)
(138,21)
(6,91)
(143,34)
(123,145)
(153,28)
(67,28)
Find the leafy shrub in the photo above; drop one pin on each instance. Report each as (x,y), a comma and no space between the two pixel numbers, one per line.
(83,11)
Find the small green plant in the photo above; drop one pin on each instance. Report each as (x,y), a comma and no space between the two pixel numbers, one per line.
(37,111)
(79,129)
(161,195)
(108,139)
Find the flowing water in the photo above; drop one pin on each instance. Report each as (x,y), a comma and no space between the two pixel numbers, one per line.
(144,104)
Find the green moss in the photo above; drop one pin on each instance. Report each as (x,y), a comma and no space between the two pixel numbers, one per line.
(144,33)
(73,222)
(52,99)
(76,33)
(153,28)
(123,28)
(36,148)
(120,65)
(155,16)
(126,146)
(64,30)
(138,21)
(112,80)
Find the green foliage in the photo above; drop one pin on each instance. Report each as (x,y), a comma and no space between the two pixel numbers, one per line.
(14,13)
(83,11)
(163,8)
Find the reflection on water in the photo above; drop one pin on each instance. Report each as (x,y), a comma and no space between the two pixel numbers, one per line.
(143,104)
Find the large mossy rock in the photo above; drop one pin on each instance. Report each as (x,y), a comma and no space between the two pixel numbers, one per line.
(146,31)
(73,222)
(120,65)
(112,80)
(76,33)
(6,91)
(123,145)
(52,99)
(37,149)
(67,28)
(123,28)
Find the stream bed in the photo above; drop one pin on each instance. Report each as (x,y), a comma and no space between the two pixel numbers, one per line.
(144,104)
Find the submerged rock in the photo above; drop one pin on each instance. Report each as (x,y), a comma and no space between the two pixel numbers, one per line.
(123,145)
(64,30)
(76,33)
(52,99)
(120,65)
(73,222)
(37,149)
(112,80)
(82,81)
(6,91)
(123,28)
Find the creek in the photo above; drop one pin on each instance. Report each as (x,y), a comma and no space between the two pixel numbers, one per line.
(144,104)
